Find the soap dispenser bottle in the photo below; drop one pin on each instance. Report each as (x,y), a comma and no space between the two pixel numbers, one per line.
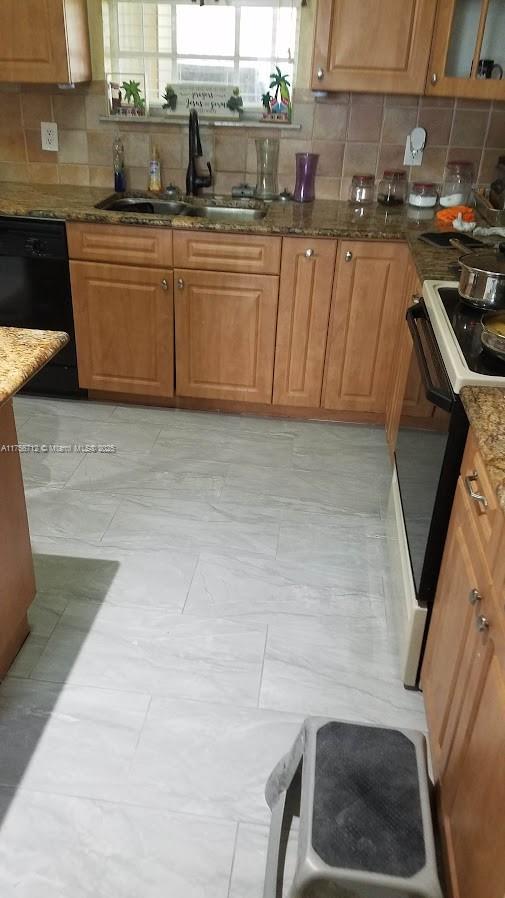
(154,184)
(118,165)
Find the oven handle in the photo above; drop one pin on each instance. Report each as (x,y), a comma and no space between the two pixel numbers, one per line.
(444,400)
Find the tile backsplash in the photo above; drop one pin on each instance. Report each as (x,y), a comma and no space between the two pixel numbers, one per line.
(363,133)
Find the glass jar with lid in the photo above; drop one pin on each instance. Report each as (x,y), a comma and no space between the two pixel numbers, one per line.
(362,189)
(392,189)
(457,186)
(423,194)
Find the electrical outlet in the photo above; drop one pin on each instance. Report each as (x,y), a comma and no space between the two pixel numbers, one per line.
(49,135)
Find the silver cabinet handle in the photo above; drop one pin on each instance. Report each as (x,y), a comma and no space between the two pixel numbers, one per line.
(434,78)
(482,623)
(309,253)
(164,284)
(416,299)
(477,497)
(320,74)
(348,256)
(180,283)
(474,596)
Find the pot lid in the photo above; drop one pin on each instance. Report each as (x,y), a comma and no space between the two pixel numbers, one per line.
(490,261)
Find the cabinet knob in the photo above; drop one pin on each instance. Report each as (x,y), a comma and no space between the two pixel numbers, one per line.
(164,284)
(348,256)
(180,283)
(309,253)
(474,596)
(434,78)
(476,497)
(482,623)
(320,74)
(416,299)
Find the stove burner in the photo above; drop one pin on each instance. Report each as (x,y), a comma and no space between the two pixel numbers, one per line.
(466,323)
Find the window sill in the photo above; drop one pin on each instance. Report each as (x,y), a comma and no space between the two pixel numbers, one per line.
(204,122)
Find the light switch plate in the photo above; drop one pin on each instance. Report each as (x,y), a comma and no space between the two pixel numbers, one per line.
(49,136)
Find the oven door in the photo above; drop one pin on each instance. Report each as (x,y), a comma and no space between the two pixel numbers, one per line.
(428,455)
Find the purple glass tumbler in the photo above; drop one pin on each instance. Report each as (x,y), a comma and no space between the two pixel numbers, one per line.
(306,164)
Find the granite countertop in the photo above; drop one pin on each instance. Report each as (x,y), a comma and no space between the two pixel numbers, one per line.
(23,352)
(324,218)
(485,409)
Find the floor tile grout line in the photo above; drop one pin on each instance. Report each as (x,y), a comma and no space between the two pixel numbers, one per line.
(233,858)
(193,575)
(260,687)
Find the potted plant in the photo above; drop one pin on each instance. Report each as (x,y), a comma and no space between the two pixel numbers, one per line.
(170,98)
(135,103)
(235,103)
(280,104)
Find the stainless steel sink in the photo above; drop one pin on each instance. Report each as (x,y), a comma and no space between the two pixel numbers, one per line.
(159,206)
(148,205)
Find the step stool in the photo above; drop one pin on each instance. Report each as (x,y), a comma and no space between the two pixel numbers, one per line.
(362,794)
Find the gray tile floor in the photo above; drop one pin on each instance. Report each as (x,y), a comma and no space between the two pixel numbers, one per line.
(200,591)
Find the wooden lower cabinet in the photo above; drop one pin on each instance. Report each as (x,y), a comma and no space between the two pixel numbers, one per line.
(463,680)
(462,571)
(307,269)
(17,581)
(124,328)
(225,335)
(368,299)
(401,363)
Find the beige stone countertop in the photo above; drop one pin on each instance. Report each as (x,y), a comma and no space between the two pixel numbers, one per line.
(23,352)
(485,409)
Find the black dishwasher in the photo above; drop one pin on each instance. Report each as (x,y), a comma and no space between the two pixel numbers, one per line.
(35,293)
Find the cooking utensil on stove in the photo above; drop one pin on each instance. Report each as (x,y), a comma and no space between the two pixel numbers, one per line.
(493,333)
(482,278)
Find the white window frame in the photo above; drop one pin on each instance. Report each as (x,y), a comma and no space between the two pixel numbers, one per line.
(116,52)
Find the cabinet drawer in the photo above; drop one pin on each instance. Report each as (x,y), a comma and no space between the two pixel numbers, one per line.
(245,254)
(482,501)
(115,244)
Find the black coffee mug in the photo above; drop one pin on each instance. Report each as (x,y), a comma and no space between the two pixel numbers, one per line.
(487,67)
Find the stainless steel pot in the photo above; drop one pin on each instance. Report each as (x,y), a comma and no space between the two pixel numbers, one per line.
(482,278)
(493,333)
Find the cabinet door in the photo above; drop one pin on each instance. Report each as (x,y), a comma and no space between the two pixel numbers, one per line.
(124,328)
(415,405)
(372,46)
(467,31)
(445,667)
(472,787)
(302,324)
(225,335)
(17,583)
(401,363)
(368,296)
(44,41)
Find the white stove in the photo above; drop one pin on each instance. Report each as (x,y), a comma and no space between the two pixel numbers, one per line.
(457,330)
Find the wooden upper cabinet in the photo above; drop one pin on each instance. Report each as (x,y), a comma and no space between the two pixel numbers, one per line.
(467,31)
(372,45)
(302,324)
(225,335)
(367,305)
(124,328)
(44,41)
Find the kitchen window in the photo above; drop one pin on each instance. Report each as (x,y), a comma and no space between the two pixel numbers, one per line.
(237,43)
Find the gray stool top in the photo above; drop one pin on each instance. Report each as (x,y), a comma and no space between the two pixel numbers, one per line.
(367,807)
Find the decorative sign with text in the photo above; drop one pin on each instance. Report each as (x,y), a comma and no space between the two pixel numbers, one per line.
(220,100)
